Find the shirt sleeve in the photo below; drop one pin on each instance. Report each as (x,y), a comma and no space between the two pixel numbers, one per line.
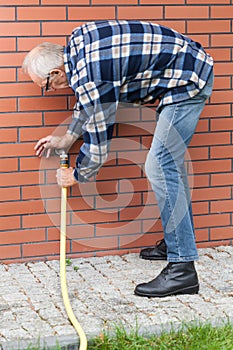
(94,118)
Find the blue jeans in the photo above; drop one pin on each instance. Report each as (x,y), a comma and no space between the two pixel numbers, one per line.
(166,172)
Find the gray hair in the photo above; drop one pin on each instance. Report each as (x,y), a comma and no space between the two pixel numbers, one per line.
(43,58)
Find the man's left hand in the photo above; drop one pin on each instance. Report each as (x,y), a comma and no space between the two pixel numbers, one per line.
(65,177)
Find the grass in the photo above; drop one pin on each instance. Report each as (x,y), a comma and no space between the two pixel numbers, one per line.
(188,337)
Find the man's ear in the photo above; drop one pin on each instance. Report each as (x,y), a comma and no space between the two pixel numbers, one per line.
(57,72)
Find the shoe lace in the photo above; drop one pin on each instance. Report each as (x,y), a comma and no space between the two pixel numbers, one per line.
(165,271)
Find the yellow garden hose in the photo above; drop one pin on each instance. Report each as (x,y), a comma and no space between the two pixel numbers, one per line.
(72,318)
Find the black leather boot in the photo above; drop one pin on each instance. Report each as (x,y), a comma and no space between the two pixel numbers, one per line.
(175,278)
(159,252)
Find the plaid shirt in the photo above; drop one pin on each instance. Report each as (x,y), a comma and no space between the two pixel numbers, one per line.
(126,61)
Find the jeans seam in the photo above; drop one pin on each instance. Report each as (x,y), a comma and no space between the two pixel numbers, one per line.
(165,187)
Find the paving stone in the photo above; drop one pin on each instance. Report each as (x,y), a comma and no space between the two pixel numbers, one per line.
(101,293)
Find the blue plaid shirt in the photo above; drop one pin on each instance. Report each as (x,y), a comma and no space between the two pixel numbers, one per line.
(126,61)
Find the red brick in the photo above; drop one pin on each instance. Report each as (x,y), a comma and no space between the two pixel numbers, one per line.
(222,206)
(26,44)
(118,228)
(23,207)
(93,244)
(91,13)
(202,126)
(222,96)
(64,28)
(90,216)
(222,83)
(153,225)
(221,12)
(6,223)
(186,12)
(222,152)
(7,14)
(19,178)
(140,12)
(42,191)
(119,172)
(221,124)
(202,235)
(200,208)
(211,166)
(19,29)
(165,2)
(211,193)
(220,2)
(8,164)
(21,119)
(72,232)
(64,2)
(7,105)
(213,138)
(41,13)
(41,220)
(22,2)
(219,53)
(212,220)
(34,134)
(42,103)
(138,157)
(219,233)
(139,212)
(114,2)
(42,249)
(179,26)
(7,44)
(22,236)
(222,39)
(8,194)
(7,74)
(212,111)
(199,153)
(11,60)
(56,118)
(223,68)
(204,39)
(221,179)
(9,251)
(22,89)
(137,185)
(208,26)
(201,181)
(117,200)
(8,135)
(16,149)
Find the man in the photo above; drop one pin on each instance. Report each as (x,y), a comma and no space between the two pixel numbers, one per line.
(130,61)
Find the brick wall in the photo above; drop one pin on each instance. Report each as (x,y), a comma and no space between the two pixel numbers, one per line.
(118,213)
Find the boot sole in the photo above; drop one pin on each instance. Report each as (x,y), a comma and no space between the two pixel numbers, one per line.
(189,290)
(153,258)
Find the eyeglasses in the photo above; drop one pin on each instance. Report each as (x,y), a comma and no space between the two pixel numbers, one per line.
(47,83)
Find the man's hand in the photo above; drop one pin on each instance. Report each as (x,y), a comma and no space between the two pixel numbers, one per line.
(65,177)
(53,142)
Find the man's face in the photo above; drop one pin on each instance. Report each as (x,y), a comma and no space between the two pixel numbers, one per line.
(56,80)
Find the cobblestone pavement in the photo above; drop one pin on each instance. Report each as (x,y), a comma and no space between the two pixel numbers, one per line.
(101,295)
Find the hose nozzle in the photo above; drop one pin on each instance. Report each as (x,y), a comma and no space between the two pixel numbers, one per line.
(64,160)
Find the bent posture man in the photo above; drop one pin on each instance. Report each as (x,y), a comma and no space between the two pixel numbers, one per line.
(127,61)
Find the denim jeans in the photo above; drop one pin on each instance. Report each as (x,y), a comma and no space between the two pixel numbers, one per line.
(166,172)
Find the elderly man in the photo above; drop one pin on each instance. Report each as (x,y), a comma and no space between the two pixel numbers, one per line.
(130,61)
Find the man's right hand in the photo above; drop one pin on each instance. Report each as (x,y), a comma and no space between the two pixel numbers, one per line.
(48,143)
